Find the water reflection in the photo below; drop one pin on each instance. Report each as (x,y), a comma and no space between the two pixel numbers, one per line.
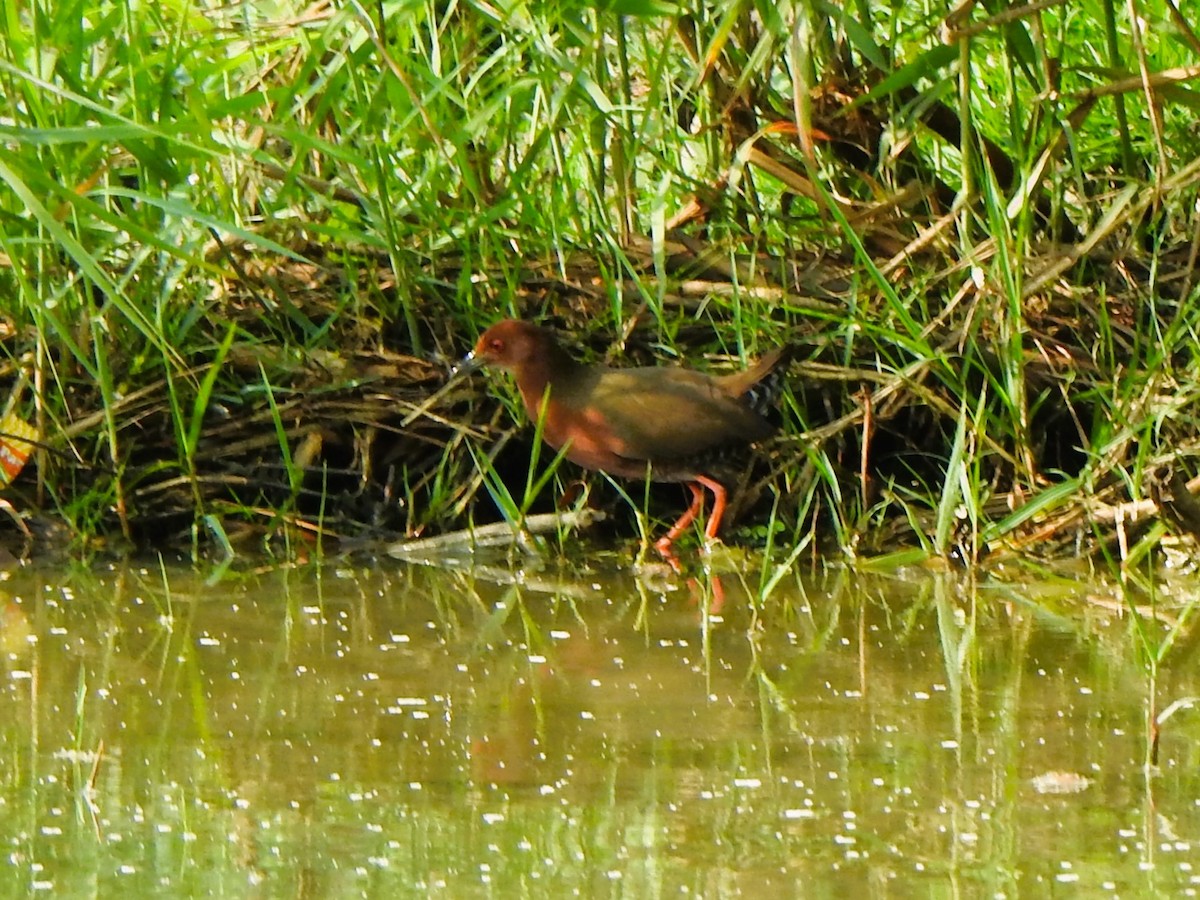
(408,731)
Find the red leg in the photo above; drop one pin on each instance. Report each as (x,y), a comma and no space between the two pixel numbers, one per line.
(718,492)
(717,603)
(570,494)
(663,545)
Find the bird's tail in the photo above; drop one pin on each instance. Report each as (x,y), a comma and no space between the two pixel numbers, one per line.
(759,385)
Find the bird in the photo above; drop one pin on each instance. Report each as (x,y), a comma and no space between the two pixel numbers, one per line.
(627,422)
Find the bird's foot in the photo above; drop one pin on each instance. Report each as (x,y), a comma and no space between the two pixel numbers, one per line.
(664,547)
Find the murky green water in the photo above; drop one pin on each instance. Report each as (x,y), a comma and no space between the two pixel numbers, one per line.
(394,731)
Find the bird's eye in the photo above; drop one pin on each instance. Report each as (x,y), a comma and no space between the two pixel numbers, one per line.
(496,345)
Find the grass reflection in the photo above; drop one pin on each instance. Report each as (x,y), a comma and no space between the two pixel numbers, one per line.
(406,731)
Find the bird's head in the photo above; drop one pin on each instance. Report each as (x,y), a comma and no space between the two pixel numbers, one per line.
(510,345)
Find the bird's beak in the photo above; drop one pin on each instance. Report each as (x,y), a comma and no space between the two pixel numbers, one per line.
(470,363)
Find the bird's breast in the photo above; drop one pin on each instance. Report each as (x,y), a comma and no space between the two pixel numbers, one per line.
(589,438)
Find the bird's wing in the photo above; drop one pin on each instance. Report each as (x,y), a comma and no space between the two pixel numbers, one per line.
(664,413)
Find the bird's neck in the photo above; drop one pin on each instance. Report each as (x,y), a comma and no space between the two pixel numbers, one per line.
(554,369)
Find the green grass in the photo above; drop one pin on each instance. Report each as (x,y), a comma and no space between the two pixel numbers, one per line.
(231,231)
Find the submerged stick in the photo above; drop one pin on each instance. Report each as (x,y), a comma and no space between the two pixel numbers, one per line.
(500,534)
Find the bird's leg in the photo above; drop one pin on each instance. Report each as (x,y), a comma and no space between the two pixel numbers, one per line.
(669,557)
(718,492)
(663,545)
(570,494)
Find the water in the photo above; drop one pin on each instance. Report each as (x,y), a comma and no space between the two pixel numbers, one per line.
(392,731)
